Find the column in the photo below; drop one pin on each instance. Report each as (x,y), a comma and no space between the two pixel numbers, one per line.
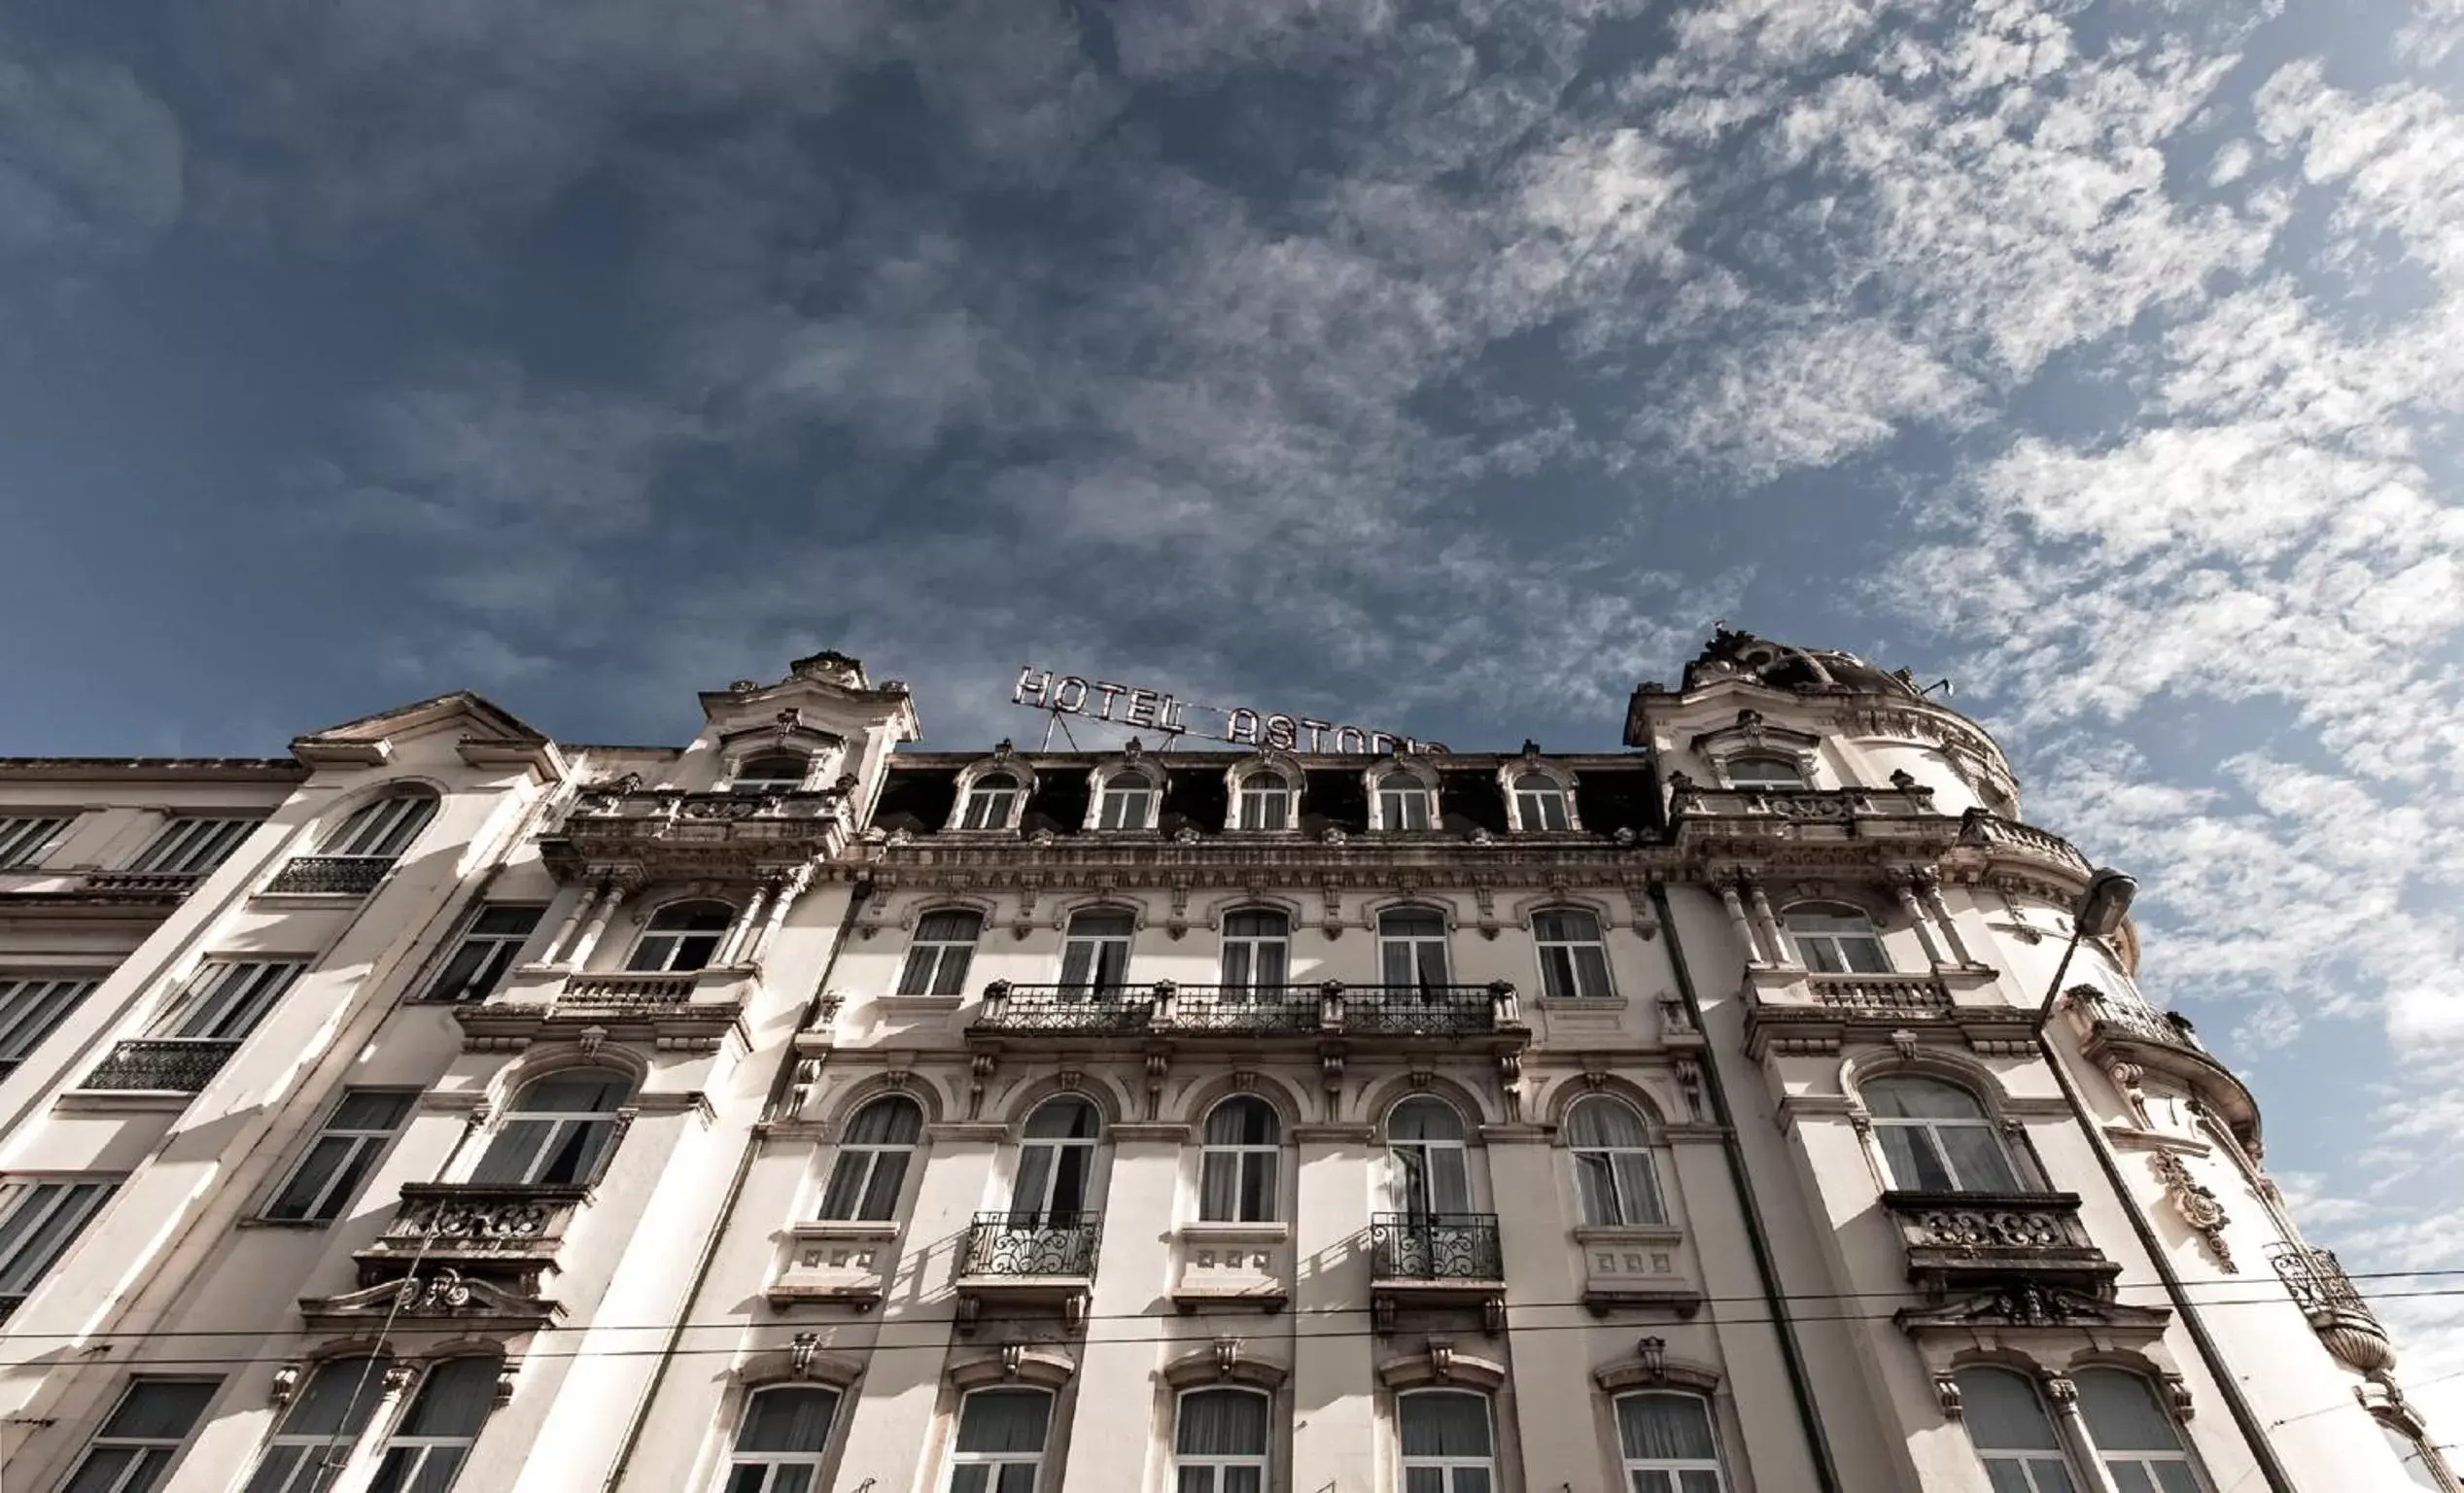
(1932,892)
(2064,1396)
(741,931)
(611,894)
(783,896)
(553,953)
(1737,919)
(1769,924)
(1918,918)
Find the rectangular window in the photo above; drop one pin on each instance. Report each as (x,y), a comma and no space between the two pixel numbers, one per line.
(937,960)
(136,1447)
(321,1426)
(342,1156)
(1445,1442)
(1097,951)
(40,1218)
(1000,1445)
(191,846)
(30,1007)
(426,1452)
(24,839)
(489,946)
(1574,964)
(228,999)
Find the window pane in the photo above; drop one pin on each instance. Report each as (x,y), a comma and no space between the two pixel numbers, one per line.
(891,1121)
(890,1177)
(1446,1423)
(319,1173)
(1003,1420)
(2122,1412)
(1921,1099)
(1599,1121)
(1638,1187)
(787,1421)
(2003,1411)
(1665,1428)
(1221,1423)
(1241,1121)
(159,1410)
(455,1399)
(1976,1156)
(1595,1185)
(340,1397)
(1424,1120)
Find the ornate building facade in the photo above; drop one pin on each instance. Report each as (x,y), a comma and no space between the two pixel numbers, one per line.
(442,1106)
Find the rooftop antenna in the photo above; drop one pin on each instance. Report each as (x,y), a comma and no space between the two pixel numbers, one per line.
(1943,685)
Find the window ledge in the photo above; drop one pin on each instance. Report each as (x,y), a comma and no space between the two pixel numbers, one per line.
(292,1224)
(126,1100)
(1582,1003)
(1215,1231)
(312,898)
(918,1005)
(845,1229)
(1629,1233)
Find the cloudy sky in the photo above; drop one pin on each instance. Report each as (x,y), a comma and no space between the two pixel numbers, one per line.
(1443,365)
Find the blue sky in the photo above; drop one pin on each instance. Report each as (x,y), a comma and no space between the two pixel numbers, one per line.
(1446,366)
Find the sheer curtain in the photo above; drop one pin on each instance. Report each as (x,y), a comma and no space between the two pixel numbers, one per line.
(871,1168)
(2134,1436)
(427,1453)
(1236,1179)
(1446,1442)
(1221,1441)
(1000,1440)
(321,1426)
(1668,1444)
(779,1444)
(2012,1433)
(1613,1164)
(556,1129)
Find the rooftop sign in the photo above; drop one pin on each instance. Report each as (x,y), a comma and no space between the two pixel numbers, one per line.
(1130,704)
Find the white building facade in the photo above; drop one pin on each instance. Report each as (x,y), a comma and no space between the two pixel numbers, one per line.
(442,1106)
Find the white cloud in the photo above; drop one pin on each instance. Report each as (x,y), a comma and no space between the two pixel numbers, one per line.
(90,162)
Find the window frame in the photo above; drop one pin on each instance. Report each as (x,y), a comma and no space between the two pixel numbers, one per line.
(503,950)
(371,827)
(1553,790)
(1042,1212)
(1415,948)
(228,1006)
(1836,941)
(172,1450)
(344,1438)
(365,1151)
(1011,794)
(1405,1463)
(25,838)
(399,1436)
(22,1032)
(1800,780)
(1122,791)
(1268,789)
(1097,946)
(601,1151)
(677,937)
(2028,1459)
(993,1482)
(193,845)
(1216,1464)
(743,779)
(1654,1199)
(773,1462)
(1672,1468)
(934,961)
(27,1261)
(1243,1158)
(1928,1126)
(1251,946)
(1564,979)
(862,1160)
(2146,1460)
(1416,801)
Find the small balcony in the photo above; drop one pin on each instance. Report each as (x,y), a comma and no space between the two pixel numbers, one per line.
(1241,1010)
(2113,1030)
(1066,1010)
(500,1231)
(2337,1309)
(686,1011)
(1956,1240)
(1993,832)
(1436,1259)
(1893,994)
(330,875)
(670,835)
(1028,1260)
(162,1064)
(143,885)
(1427,1010)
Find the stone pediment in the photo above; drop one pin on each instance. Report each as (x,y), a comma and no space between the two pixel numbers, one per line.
(437,1296)
(488,735)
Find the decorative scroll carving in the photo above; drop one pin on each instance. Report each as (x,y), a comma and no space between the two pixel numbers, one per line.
(2198,1207)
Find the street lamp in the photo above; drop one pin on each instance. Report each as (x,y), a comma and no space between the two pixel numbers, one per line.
(2100,911)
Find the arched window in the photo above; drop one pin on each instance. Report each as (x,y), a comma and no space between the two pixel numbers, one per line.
(426,1451)
(319,1427)
(1764,773)
(1055,1163)
(1540,803)
(1411,948)
(1446,1439)
(772,772)
(557,1129)
(781,1437)
(1095,954)
(1668,1444)
(1128,802)
(2014,1437)
(937,960)
(2138,1442)
(1574,963)
(1265,802)
(1237,1176)
(381,828)
(1219,1441)
(991,803)
(1836,941)
(1257,950)
(1613,1172)
(872,1163)
(683,937)
(1424,1137)
(1403,800)
(1000,1445)
(1935,1138)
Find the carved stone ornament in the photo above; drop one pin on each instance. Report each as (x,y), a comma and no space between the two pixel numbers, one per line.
(1946,1389)
(2062,1389)
(1227,1356)
(800,1354)
(1653,1355)
(1440,1358)
(397,1380)
(1905,1042)
(286,1384)
(2198,1207)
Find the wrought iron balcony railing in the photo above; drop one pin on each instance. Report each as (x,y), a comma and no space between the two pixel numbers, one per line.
(481,1218)
(1331,1009)
(1435,1247)
(1880,993)
(143,883)
(352,876)
(2000,1235)
(1799,805)
(1033,1246)
(2136,1019)
(1241,1008)
(1427,1010)
(162,1064)
(2318,1282)
(1066,1008)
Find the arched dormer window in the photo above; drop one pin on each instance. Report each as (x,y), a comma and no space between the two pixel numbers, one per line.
(1615,1176)
(681,937)
(1936,1137)
(557,1129)
(1764,771)
(772,772)
(1830,939)
(1266,797)
(992,802)
(1128,798)
(1541,803)
(382,828)
(1404,800)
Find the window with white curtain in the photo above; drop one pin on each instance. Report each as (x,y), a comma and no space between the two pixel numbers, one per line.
(1257,950)
(355,1134)
(1613,1172)
(2013,1434)
(1764,771)
(192,844)
(1936,1137)
(1095,954)
(1055,1163)
(556,1129)
(1411,948)
(2140,1445)
(381,828)
(1574,963)
(490,942)
(1540,803)
(40,1218)
(1128,802)
(24,837)
(681,937)
(1835,941)
(1668,1444)
(426,1451)
(30,1007)
(1001,1442)
(133,1451)
(871,1169)
(1236,1174)
(780,1439)
(990,802)
(321,1427)
(1431,1175)
(1403,800)
(1265,803)
(938,959)
(772,772)
(226,998)
(1447,1446)
(1219,1441)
